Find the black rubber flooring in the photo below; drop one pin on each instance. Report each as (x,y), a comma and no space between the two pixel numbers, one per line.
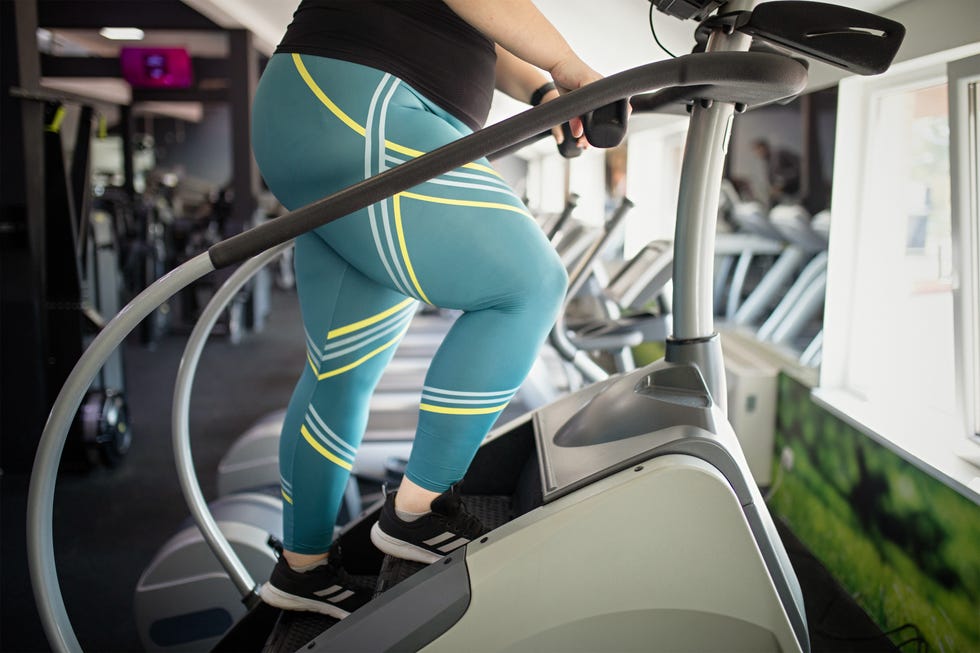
(109,523)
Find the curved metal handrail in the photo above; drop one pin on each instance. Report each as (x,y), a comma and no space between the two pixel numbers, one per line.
(40,499)
(180,420)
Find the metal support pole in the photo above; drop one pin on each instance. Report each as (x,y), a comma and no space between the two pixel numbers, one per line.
(694,338)
(127,129)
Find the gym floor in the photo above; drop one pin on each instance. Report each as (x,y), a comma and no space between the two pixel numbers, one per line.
(109,523)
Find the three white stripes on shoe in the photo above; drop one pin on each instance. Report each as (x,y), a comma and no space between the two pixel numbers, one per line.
(451,546)
(339,594)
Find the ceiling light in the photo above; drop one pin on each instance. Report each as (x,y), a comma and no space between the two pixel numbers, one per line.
(122,33)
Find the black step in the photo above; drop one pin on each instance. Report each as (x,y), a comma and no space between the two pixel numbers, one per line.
(394,571)
(295,630)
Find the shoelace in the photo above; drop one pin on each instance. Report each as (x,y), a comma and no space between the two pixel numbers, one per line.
(335,563)
(459,520)
(469,525)
(343,577)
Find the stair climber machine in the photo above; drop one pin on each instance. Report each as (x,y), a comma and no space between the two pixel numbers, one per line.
(804,299)
(183,598)
(623,516)
(628,310)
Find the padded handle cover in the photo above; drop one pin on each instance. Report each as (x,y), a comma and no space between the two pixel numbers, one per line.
(606,126)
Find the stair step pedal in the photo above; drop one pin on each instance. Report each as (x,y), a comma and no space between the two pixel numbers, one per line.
(395,570)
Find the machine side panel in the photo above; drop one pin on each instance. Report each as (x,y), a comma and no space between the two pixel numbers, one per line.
(582,449)
(406,617)
(781,570)
(624,561)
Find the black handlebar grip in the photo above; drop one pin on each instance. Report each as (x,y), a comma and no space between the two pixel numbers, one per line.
(569,147)
(606,126)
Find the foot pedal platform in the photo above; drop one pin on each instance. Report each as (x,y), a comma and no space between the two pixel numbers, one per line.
(393,571)
(492,509)
(294,630)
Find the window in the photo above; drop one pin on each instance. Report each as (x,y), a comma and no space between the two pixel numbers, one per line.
(901,347)
(964,84)
(900,328)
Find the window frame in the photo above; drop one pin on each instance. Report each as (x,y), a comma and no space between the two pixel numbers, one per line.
(949,453)
(963,77)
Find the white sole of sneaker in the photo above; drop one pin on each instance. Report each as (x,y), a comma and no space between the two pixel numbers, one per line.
(279,599)
(399,549)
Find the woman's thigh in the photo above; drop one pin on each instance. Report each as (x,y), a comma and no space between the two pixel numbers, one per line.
(462,240)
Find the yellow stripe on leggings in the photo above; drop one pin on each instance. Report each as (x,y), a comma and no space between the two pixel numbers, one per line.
(359,361)
(407,151)
(286,497)
(323,452)
(473,203)
(353,124)
(445,410)
(374,319)
(313,366)
(317,91)
(404,248)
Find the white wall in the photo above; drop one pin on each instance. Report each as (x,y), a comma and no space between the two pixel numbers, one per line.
(932,26)
(652,183)
(547,182)
(587,178)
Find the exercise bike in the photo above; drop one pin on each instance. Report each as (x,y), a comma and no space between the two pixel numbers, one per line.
(623,516)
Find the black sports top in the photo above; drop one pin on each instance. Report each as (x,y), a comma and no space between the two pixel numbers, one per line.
(423,42)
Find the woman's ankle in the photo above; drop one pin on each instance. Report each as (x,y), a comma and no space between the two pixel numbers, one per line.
(304,561)
(412,498)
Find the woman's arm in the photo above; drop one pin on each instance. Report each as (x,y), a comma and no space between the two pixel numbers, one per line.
(520,28)
(519,79)
(527,41)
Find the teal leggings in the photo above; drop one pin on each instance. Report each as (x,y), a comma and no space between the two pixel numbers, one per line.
(461,241)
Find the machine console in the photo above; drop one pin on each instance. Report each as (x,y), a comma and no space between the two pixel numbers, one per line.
(685,9)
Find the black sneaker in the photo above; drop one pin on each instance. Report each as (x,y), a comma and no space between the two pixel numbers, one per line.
(428,538)
(327,589)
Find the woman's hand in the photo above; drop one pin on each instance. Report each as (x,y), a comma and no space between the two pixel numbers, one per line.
(569,74)
(555,131)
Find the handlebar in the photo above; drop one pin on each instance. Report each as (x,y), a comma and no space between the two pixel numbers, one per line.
(568,148)
(743,77)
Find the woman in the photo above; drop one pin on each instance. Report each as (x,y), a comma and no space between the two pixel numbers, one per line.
(357,87)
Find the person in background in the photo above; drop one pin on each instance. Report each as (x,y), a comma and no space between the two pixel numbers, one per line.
(775,178)
(356,88)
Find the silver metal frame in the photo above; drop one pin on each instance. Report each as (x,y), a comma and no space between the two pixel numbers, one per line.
(180,418)
(694,336)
